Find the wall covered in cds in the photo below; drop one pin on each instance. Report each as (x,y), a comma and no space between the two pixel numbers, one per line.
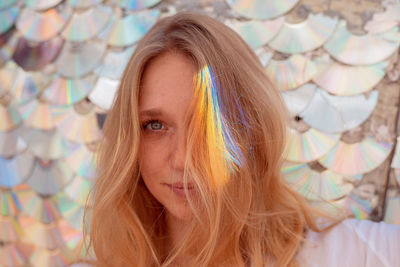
(335,62)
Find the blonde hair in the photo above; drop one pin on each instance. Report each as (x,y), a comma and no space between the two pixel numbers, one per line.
(254,218)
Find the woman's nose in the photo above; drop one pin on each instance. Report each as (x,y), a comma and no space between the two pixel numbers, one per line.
(178,152)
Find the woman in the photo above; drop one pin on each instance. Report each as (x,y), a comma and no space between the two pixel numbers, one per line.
(190,164)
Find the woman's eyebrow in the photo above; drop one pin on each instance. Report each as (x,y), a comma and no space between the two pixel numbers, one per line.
(151,112)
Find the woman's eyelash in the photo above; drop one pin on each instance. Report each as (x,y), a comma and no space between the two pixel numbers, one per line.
(144,124)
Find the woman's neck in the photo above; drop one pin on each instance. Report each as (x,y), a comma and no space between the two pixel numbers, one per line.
(175,230)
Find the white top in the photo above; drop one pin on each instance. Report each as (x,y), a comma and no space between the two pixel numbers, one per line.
(353,243)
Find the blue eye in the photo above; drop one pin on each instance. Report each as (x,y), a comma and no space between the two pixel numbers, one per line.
(155,125)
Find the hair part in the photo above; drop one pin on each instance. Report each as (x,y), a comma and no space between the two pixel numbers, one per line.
(253,216)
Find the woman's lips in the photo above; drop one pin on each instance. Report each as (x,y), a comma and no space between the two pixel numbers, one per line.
(179,189)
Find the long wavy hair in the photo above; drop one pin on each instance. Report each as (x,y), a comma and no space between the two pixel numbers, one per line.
(254,217)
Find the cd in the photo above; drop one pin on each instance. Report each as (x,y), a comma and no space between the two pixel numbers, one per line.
(392,212)
(309,146)
(85,25)
(351,49)
(114,63)
(11,231)
(15,254)
(81,159)
(48,177)
(41,4)
(136,25)
(337,114)
(35,57)
(28,85)
(136,4)
(359,157)
(15,170)
(42,257)
(9,117)
(77,126)
(316,186)
(7,3)
(78,59)
(7,18)
(41,26)
(48,145)
(9,202)
(63,91)
(295,38)
(8,42)
(84,3)
(7,77)
(72,212)
(11,142)
(37,114)
(261,9)
(78,190)
(385,21)
(42,235)
(256,33)
(338,79)
(264,55)
(290,73)
(103,94)
(44,210)
(297,100)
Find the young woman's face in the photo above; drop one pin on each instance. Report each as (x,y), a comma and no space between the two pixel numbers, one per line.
(165,95)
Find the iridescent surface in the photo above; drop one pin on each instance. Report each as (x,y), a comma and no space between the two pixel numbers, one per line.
(10,117)
(78,59)
(7,3)
(351,49)
(15,170)
(84,26)
(41,4)
(84,3)
(7,18)
(261,9)
(28,85)
(309,146)
(64,91)
(297,100)
(48,177)
(37,114)
(81,160)
(256,33)
(47,145)
(338,79)
(305,36)
(356,158)
(136,4)
(42,26)
(136,24)
(81,128)
(336,114)
(114,63)
(290,73)
(314,185)
(11,142)
(7,77)
(35,57)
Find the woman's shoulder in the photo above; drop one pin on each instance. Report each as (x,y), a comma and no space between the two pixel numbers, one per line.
(353,242)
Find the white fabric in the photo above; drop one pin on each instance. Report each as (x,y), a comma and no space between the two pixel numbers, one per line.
(353,243)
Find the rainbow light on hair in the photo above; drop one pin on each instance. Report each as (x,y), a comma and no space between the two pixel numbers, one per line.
(224,153)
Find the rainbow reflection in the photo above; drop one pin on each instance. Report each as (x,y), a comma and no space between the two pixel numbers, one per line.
(223,151)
